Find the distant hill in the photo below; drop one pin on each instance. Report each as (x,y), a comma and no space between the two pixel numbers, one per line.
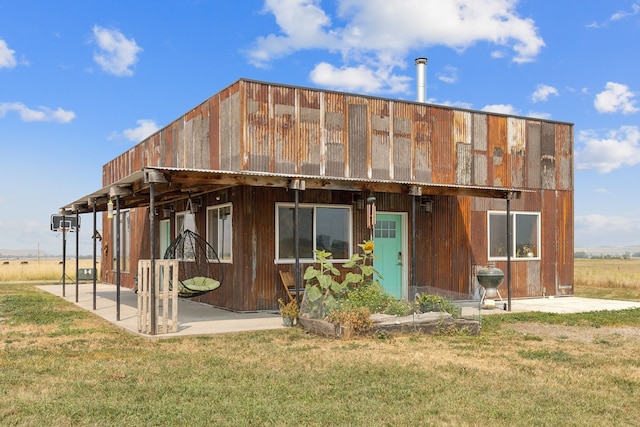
(23,253)
(608,250)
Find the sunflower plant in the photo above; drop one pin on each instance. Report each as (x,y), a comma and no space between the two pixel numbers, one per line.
(365,275)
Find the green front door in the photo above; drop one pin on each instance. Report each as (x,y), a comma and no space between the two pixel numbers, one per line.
(388,238)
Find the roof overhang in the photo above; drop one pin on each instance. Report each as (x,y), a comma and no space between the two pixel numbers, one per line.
(172,184)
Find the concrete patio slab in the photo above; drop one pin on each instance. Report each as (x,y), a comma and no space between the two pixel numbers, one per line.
(194,318)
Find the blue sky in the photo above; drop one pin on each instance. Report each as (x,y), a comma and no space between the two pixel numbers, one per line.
(83,81)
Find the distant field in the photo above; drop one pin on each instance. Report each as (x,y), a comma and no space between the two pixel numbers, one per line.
(12,270)
(607,278)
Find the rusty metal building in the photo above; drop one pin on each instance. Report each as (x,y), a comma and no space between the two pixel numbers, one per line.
(441,178)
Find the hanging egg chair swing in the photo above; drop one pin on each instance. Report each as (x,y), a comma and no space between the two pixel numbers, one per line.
(199,269)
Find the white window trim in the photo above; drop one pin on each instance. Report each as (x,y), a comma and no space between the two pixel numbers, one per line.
(218,207)
(279,260)
(513,236)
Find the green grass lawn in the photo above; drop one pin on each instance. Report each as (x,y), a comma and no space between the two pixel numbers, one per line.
(60,365)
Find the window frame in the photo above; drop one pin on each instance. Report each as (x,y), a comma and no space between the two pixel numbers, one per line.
(313,206)
(514,237)
(208,237)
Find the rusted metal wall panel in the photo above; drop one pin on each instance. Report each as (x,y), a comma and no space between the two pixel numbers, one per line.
(516,151)
(462,137)
(548,156)
(564,156)
(381,140)
(230,128)
(461,249)
(534,135)
(358,138)
(565,242)
(214,132)
(401,140)
(479,150)
(549,252)
(335,125)
(497,150)
(258,129)
(284,129)
(310,131)
(421,143)
(442,147)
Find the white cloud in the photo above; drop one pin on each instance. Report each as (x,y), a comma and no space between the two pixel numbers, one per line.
(42,114)
(615,98)
(117,54)
(539,115)
(618,148)
(145,128)
(379,33)
(543,92)
(607,223)
(500,109)
(360,79)
(7,56)
(449,74)
(635,9)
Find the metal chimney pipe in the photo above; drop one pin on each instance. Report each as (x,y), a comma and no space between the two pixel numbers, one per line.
(421,79)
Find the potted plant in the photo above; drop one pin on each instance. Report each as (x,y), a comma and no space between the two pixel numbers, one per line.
(289,312)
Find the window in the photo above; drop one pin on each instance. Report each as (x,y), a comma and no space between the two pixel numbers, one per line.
(219,231)
(525,232)
(319,227)
(125,237)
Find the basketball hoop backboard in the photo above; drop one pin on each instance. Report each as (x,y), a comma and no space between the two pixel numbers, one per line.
(66,222)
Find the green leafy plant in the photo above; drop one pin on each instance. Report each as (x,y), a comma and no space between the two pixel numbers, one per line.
(428,303)
(322,290)
(398,308)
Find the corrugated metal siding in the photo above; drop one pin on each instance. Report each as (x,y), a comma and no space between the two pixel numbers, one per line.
(565,242)
(335,120)
(258,128)
(422,143)
(443,150)
(548,156)
(497,151)
(462,136)
(479,149)
(230,128)
(401,164)
(534,135)
(516,148)
(381,140)
(564,156)
(214,132)
(358,138)
(310,131)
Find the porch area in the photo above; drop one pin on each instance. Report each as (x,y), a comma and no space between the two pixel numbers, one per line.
(196,318)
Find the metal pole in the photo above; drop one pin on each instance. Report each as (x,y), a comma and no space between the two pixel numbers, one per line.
(152,243)
(118,258)
(413,247)
(64,255)
(95,254)
(296,245)
(509,252)
(77,250)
